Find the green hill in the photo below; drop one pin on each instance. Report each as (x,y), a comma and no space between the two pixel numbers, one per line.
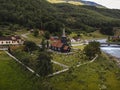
(44,15)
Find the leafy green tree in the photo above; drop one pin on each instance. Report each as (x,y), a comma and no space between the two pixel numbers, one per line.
(53,26)
(44,65)
(47,37)
(1,34)
(92,49)
(14,27)
(43,44)
(107,30)
(9,50)
(30,46)
(36,33)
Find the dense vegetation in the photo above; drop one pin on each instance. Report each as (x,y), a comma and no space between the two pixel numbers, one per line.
(43,15)
(35,59)
(92,49)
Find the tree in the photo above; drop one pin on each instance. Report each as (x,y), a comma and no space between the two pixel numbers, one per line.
(30,46)
(53,26)
(14,27)
(47,36)
(9,50)
(1,34)
(44,65)
(107,30)
(43,44)
(36,33)
(92,49)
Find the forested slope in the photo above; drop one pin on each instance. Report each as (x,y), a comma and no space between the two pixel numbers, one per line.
(43,15)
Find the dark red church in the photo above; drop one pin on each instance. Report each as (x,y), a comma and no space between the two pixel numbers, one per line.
(60,45)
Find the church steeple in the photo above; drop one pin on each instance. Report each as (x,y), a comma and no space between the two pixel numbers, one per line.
(63,38)
(64,35)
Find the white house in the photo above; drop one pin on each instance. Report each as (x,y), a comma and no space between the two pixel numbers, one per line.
(10,40)
(73,40)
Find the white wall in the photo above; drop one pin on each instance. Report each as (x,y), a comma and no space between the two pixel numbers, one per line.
(10,42)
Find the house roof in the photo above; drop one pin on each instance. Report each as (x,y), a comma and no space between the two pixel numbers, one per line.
(54,44)
(5,38)
(10,38)
(66,47)
(58,44)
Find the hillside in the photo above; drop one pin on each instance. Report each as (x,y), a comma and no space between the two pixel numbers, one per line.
(77,2)
(44,15)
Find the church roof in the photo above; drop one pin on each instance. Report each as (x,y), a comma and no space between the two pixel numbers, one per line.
(66,47)
(58,44)
(63,35)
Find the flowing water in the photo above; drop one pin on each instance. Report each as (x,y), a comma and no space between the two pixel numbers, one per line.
(114,51)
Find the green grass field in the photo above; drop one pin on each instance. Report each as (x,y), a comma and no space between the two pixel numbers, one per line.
(94,35)
(70,59)
(57,67)
(81,47)
(89,36)
(14,77)
(19,32)
(30,36)
(37,40)
(103,73)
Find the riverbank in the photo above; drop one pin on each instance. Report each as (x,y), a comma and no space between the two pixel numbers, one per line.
(117,60)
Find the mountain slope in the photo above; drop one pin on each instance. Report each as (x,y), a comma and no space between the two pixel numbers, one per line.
(44,15)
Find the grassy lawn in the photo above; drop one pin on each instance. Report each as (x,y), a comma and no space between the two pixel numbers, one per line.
(37,40)
(57,68)
(70,60)
(15,77)
(19,32)
(30,36)
(94,35)
(81,47)
(102,73)
(89,36)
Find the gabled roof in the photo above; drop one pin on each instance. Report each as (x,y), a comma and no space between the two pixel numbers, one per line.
(9,38)
(66,47)
(57,44)
(54,44)
(5,38)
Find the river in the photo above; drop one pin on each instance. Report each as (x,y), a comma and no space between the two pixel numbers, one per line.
(114,51)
